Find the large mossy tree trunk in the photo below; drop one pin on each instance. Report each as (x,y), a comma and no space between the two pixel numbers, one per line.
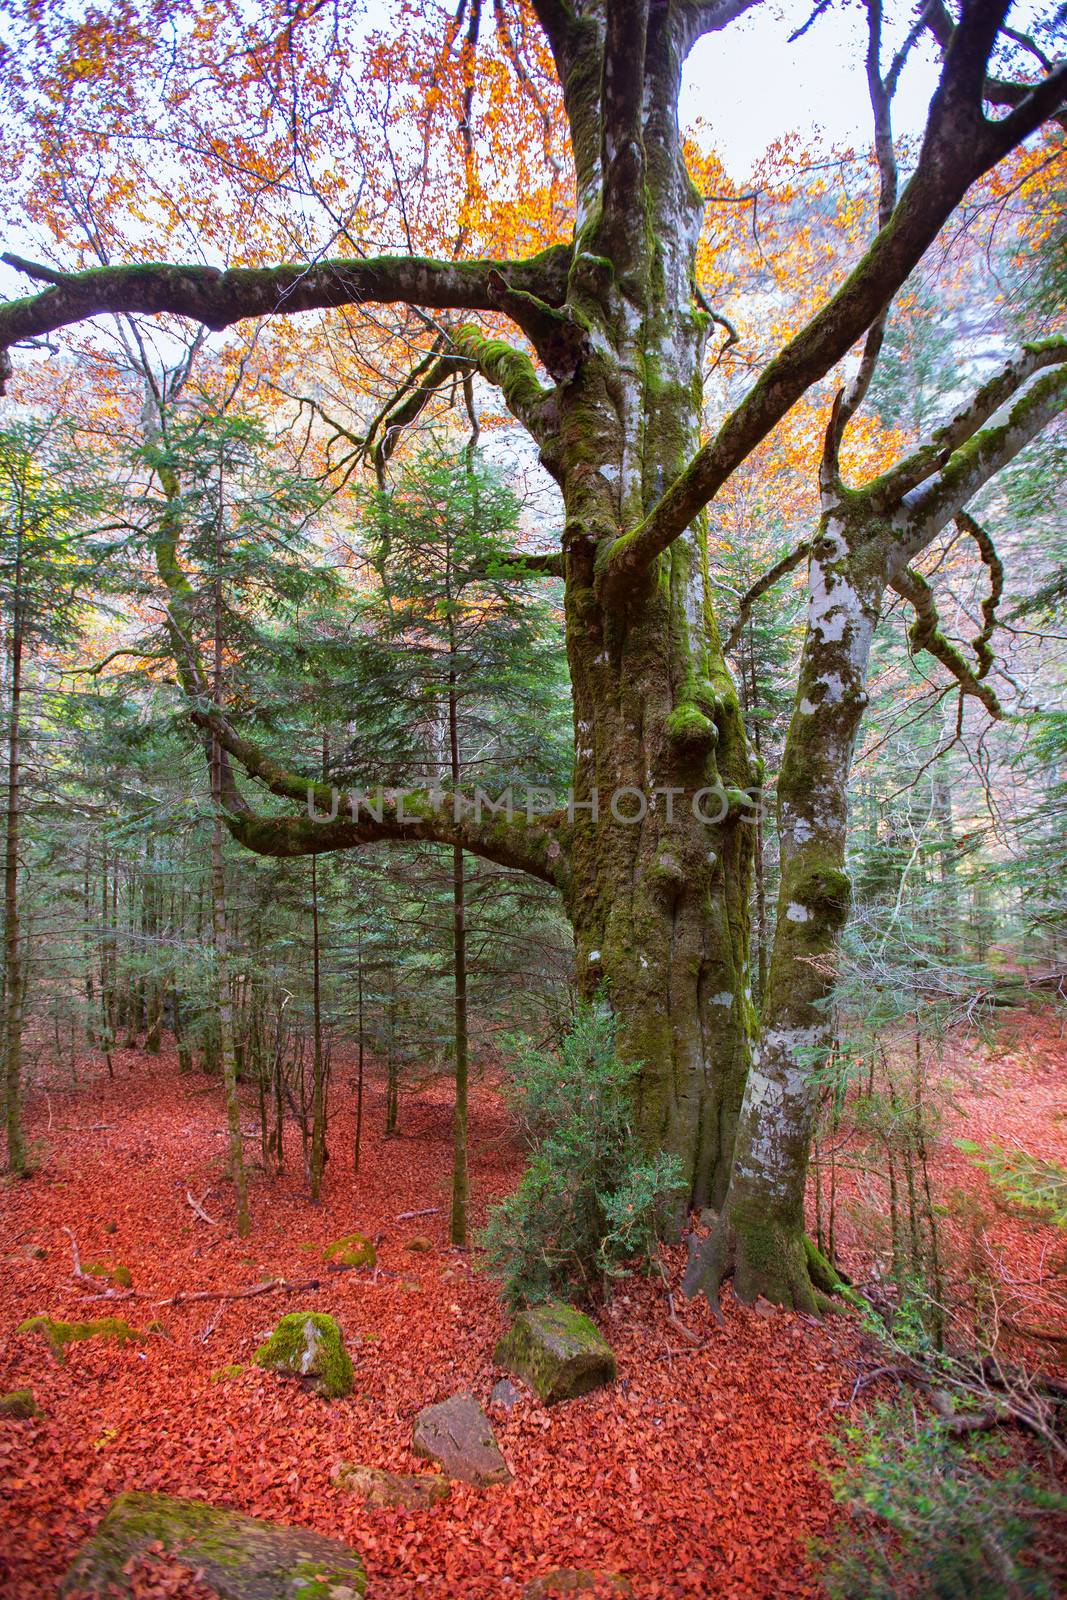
(659,896)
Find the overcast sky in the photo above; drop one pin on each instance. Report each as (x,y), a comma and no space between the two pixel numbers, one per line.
(752,86)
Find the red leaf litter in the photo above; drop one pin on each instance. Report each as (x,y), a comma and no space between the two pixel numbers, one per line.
(700,1472)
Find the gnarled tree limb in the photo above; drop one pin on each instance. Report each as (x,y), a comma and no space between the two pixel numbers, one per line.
(218,298)
(925,634)
(959,146)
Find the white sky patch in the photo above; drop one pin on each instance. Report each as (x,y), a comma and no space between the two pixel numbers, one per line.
(753,87)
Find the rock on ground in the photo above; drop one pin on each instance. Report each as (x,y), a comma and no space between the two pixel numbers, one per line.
(19,1403)
(380,1488)
(308,1345)
(242,1558)
(505,1394)
(353,1250)
(458,1436)
(558,1351)
(575,1580)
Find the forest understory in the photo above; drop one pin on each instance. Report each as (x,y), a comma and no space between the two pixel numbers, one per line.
(701,1471)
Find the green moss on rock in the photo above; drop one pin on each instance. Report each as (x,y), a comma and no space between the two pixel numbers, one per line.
(558,1351)
(241,1558)
(59,1335)
(354,1250)
(117,1274)
(19,1403)
(308,1345)
(225,1374)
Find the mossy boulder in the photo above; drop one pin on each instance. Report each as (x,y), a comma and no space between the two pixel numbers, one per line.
(241,1558)
(19,1403)
(225,1374)
(354,1250)
(308,1345)
(59,1335)
(114,1273)
(378,1488)
(558,1351)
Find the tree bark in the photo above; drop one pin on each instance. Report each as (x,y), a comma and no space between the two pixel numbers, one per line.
(14,981)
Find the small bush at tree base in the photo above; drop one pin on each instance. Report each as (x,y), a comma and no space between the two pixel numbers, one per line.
(590,1202)
(930,1516)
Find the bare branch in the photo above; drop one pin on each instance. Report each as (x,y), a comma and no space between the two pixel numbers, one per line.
(772,576)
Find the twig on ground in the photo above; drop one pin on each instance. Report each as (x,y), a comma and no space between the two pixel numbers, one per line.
(212,1323)
(406,1216)
(198,1206)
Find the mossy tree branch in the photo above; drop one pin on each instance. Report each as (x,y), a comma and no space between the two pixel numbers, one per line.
(528,843)
(927,509)
(888,491)
(219,298)
(959,146)
(925,634)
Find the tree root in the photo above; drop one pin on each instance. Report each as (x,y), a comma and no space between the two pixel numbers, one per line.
(765,1259)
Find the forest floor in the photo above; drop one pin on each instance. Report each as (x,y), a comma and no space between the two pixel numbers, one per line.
(700,1472)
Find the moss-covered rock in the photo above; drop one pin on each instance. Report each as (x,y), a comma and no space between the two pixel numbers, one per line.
(308,1345)
(58,1335)
(19,1403)
(225,1374)
(558,1351)
(114,1273)
(354,1250)
(242,1558)
(380,1488)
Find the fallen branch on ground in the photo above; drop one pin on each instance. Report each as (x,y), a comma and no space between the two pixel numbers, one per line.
(271,1286)
(198,1206)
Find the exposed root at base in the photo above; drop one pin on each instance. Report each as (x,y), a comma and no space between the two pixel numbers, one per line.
(767,1259)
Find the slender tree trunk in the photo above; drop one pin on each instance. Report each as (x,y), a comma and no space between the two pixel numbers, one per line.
(318,1098)
(14,979)
(359,1067)
(220,934)
(760,1233)
(460,1115)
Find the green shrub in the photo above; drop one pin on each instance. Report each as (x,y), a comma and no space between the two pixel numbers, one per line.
(930,1516)
(590,1202)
